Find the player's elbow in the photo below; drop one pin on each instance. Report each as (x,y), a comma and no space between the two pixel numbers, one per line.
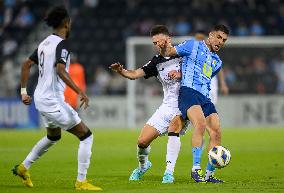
(60,70)
(27,64)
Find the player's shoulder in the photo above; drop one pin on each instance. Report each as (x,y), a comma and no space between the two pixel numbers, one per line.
(52,39)
(157,59)
(216,57)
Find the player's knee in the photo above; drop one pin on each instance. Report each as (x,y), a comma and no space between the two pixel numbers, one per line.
(85,135)
(176,125)
(215,134)
(142,142)
(201,126)
(54,139)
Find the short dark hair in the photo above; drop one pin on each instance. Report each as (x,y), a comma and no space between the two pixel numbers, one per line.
(159,29)
(56,17)
(221,27)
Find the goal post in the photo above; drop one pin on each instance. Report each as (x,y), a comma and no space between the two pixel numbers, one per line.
(139,50)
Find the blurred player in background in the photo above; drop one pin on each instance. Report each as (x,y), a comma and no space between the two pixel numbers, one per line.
(77,74)
(200,64)
(159,66)
(53,58)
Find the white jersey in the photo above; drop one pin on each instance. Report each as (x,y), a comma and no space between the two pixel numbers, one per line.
(50,87)
(160,67)
(213,93)
(49,93)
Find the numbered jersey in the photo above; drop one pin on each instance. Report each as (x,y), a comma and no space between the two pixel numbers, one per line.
(160,67)
(51,51)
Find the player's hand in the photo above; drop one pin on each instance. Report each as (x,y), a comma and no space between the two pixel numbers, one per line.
(84,100)
(26,99)
(224,89)
(174,74)
(116,67)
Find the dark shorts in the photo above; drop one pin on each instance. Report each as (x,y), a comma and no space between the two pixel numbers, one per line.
(189,97)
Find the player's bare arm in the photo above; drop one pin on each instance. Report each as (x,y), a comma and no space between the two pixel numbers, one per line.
(25,72)
(130,74)
(223,85)
(60,68)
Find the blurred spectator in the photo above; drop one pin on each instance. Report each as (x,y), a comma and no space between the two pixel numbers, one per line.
(230,76)
(101,82)
(262,78)
(279,70)
(117,85)
(199,24)
(242,29)
(8,78)
(182,27)
(91,3)
(25,18)
(256,29)
(76,72)
(145,26)
(9,46)
(132,5)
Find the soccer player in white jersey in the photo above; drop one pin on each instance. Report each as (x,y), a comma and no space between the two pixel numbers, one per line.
(53,59)
(160,67)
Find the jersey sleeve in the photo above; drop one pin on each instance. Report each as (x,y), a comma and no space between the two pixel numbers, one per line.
(150,68)
(62,52)
(34,57)
(185,48)
(217,67)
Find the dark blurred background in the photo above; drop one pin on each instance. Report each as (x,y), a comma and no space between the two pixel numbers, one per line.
(101,27)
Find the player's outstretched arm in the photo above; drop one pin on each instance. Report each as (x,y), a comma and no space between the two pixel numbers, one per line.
(130,74)
(223,85)
(60,69)
(25,72)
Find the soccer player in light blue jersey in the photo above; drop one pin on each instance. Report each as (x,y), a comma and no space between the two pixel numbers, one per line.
(200,64)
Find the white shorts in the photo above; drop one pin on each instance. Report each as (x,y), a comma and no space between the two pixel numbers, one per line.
(63,116)
(161,119)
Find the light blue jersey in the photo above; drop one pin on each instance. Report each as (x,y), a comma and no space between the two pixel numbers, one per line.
(199,65)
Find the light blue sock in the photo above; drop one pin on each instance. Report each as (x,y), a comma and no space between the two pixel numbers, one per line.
(210,167)
(196,153)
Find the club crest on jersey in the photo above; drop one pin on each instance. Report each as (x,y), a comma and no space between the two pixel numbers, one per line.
(64,54)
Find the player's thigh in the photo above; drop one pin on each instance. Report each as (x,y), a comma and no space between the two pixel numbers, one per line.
(176,124)
(65,117)
(196,116)
(147,135)
(213,123)
(68,118)
(162,117)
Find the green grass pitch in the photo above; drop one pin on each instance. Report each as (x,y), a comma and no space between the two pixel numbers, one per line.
(257,163)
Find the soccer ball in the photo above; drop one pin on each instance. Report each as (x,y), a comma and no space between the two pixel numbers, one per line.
(219,156)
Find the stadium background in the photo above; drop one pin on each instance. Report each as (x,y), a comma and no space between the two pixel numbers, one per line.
(254,73)
(102,30)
